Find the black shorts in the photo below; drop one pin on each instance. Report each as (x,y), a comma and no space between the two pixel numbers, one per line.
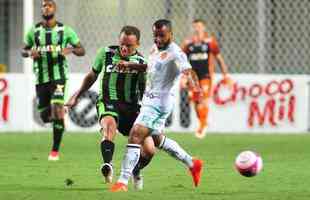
(50,93)
(124,114)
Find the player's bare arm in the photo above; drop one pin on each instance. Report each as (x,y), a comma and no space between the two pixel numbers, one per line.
(224,68)
(77,50)
(193,82)
(184,44)
(88,81)
(122,65)
(192,78)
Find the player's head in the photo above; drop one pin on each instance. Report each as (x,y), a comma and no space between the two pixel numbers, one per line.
(199,26)
(129,40)
(162,33)
(48,9)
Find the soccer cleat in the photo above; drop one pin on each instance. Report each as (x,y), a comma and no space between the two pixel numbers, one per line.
(138,182)
(107,171)
(119,187)
(196,171)
(201,131)
(53,156)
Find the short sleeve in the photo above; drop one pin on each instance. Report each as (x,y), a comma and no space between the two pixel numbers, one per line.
(143,61)
(73,39)
(99,61)
(214,47)
(181,61)
(29,37)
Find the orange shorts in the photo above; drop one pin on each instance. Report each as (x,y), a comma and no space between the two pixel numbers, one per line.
(206,86)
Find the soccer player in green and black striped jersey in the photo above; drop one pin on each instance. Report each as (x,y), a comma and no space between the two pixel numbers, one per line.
(47,44)
(120,89)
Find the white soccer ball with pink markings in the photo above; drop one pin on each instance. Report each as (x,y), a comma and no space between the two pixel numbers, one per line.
(249,163)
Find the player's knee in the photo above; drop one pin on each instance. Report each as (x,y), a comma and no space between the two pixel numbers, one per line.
(58,111)
(135,139)
(136,135)
(45,115)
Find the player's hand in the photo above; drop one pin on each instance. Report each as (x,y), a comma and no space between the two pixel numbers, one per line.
(34,54)
(228,81)
(122,65)
(184,82)
(72,101)
(66,51)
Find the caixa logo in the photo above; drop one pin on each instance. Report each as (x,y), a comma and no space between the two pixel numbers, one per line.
(4,100)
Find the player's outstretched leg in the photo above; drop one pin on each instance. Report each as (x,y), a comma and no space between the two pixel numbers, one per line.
(131,158)
(175,150)
(107,146)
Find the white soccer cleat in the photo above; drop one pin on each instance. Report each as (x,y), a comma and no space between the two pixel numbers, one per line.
(137,182)
(53,156)
(107,171)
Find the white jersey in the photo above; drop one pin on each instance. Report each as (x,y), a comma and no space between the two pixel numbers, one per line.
(164,70)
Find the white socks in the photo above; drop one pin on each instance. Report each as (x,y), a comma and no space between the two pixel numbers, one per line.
(174,149)
(130,160)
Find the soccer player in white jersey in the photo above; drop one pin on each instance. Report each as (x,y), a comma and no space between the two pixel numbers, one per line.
(166,63)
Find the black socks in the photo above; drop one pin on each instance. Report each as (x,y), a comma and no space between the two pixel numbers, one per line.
(107,150)
(143,162)
(58,130)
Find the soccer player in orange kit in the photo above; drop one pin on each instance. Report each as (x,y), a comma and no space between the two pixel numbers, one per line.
(202,51)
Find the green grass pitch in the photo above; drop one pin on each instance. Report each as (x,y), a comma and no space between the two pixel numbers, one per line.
(25,173)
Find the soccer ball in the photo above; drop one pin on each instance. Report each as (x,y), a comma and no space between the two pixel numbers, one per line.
(249,163)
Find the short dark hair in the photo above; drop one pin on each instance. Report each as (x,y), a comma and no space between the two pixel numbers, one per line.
(131,30)
(163,22)
(199,21)
(52,1)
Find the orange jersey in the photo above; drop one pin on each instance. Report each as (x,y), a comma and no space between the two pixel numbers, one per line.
(201,55)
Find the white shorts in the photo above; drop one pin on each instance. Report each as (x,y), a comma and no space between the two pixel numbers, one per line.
(154,114)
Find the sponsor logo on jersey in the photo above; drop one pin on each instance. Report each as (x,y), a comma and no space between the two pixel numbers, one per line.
(110,106)
(49,48)
(114,68)
(59,90)
(151,95)
(163,55)
(198,56)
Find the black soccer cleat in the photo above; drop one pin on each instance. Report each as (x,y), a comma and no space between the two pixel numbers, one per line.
(107,171)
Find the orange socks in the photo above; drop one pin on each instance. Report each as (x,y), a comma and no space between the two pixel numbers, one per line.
(202,113)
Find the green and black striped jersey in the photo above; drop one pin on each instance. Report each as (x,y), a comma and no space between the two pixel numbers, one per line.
(51,65)
(120,86)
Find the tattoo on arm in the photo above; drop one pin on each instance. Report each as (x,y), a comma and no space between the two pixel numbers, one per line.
(192,78)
